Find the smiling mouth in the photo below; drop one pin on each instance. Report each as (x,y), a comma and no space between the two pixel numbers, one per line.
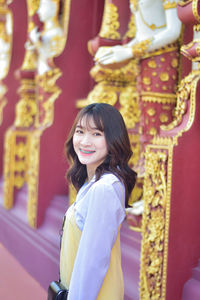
(86,151)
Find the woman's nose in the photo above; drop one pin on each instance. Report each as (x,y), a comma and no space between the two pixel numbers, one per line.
(86,140)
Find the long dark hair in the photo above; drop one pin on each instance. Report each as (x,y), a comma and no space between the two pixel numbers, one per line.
(108,120)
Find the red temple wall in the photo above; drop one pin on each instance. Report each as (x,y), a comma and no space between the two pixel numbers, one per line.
(184,241)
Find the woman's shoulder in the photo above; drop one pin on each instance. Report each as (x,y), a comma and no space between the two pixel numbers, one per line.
(108,179)
(107,182)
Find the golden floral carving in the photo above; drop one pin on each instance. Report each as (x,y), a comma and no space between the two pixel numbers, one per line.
(32,177)
(152,64)
(111,82)
(164,76)
(110,23)
(131,28)
(186,93)
(134,4)
(156,194)
(153,131)
(168,48)
(140,49)
(119,76)
(163,117)
(174,63)
(135,146)
(33,6)
(146,80)
(158,97)
(129,101)
(102,92)
(151,112)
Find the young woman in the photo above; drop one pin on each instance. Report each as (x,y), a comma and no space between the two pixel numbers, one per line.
(98,148)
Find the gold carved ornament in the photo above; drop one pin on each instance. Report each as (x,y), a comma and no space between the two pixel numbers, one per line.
(15,164)
(110,83)
(157,190)
(140,48)
(134,4)
(163,98)
(33,162)
(131,28)
(167,4)
(110,23)
(129,102)
(186,95)
(47,83)
(155,223)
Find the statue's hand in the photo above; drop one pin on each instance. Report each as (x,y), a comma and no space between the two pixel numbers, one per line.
(110,55)
(137,208)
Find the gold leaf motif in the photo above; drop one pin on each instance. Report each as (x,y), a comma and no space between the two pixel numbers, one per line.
(33,6)
(158,98)
(131,28)
(164,76)
(153,131)
(152,64)
(146,80)
(169,4)
(20,149)
(19,181)
(174,63)
(163,117)
(153,262)
(134,4)
(151,112)
(110,23)
(186,92)
(130,111)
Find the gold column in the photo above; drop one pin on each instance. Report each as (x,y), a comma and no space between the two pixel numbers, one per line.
(34,111)
(157,192)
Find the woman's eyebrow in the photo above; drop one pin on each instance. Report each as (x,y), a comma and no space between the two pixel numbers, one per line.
(89,127)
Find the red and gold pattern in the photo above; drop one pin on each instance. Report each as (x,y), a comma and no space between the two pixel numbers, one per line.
(157,86)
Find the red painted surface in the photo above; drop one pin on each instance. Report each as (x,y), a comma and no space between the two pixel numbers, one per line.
(184,241)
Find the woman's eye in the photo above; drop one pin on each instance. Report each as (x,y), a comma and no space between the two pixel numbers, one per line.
(79,131)
(97,134)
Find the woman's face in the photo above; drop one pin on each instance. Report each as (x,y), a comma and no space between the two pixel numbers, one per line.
(89,144)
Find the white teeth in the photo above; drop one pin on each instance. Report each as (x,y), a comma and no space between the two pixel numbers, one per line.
(86,152)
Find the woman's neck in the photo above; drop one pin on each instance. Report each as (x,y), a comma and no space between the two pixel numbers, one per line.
(90,174)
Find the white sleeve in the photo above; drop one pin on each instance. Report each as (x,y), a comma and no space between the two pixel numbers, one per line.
(105,214)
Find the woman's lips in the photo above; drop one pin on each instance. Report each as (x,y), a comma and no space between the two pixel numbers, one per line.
(86,151)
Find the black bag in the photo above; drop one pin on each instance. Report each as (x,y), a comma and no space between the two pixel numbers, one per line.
(57,291)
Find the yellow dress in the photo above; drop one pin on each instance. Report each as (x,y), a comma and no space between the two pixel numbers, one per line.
(113,285)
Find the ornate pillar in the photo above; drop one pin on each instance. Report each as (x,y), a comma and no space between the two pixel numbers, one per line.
(157,191)
(47,34)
